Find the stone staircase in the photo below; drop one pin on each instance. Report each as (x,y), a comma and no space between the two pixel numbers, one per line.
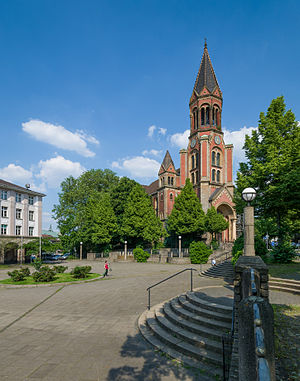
(189,328)
(285,285)
(223,270)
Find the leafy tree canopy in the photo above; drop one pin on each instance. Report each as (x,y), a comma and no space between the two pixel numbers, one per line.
(187,217)
(215,222)
(140,226)
(272,168)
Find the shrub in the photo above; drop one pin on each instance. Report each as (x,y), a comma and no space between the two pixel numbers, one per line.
(236,256)
(37,263)
(140,255)
(283,253)
(199,252)
(214,244)
(45,274)
(81,271)
(60,269)
(25,271)
(16,275)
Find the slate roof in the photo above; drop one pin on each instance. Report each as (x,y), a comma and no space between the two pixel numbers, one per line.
(10,186)
(167,161)
(152,188)
(206,76)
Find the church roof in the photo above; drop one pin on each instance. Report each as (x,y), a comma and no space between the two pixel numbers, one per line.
(206,76)
(152,188)
(167,161)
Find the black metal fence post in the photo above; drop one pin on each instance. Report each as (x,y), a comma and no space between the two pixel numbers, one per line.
(149,299)
(191,280)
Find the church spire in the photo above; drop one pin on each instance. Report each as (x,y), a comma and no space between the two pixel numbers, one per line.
(206,76)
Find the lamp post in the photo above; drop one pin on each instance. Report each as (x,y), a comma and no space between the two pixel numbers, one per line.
(125,250)
(179,246)
(80,253)
(249,195)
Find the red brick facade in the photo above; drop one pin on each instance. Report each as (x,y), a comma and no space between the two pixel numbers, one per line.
(207,161)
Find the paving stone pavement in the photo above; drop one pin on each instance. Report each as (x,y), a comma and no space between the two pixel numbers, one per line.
(88,331)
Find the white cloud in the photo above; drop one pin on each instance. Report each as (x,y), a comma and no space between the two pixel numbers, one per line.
(56,169)
(180,139)
(138,166)
(162,131)
(151,130)
(237,138)
(16,174)
(60,137)
(153,152)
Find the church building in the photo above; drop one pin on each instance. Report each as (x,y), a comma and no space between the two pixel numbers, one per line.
(207,160)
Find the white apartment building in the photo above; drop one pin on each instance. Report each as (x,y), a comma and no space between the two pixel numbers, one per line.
(20,215)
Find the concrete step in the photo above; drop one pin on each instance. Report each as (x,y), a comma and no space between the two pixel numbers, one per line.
(206,371)
(284,289)
(210,305)
(206,322)
(196,352)
(294,286)
(194,307)
(292,281)
(180,321)
(184,334)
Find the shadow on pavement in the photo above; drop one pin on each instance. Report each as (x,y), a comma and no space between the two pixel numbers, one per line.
(156,365)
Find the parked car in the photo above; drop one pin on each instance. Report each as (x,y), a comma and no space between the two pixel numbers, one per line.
(65,256)
(50,257)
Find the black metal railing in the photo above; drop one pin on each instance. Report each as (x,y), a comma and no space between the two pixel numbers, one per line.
(164,280)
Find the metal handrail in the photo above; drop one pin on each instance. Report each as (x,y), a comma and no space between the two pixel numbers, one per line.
(172,276)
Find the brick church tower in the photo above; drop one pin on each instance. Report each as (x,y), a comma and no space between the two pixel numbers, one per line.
(207,161)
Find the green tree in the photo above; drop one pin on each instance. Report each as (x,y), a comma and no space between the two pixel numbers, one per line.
(215,222)
(100,223)
(187,217)
(48,245)
(199,252)
(272,168)
(140,226)
(70,212)
(119,196)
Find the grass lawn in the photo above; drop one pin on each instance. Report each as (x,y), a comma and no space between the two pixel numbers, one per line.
(287,343)
(58,279)
(288,270)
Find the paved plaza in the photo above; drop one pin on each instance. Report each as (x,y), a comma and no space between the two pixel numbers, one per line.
(88,331)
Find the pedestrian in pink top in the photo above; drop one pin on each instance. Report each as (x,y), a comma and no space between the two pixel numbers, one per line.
(106,269)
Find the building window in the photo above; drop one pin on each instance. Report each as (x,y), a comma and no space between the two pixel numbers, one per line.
(18,214)
(4,195)
(171,196)
(213,175)
(218,158)
(161,197)
(197,177)
(193,162)
(31,215)
(18,230)
(213,158)
(207,115)
(202,116)
(172,180)
(4,211)
(18,197)
(30,200)
(30,232)
(193,178)
(3,229)
(197,160)
(218,176)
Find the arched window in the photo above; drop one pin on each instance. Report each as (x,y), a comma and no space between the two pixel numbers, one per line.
(218,158)
(195,117)
(169,181)
(193,178)
(217,118)
(207,115)
(202,116)
(197,177)
(213,116)
(213,175)
(218,176)
(172,181)
(171,196)
(213,158)
(193,162)
(197,159)
(161,197)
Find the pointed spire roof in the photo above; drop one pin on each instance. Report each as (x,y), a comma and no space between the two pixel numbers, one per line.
(206,76)
(167,161)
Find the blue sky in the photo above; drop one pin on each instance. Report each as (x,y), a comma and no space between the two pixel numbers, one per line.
(106,84)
